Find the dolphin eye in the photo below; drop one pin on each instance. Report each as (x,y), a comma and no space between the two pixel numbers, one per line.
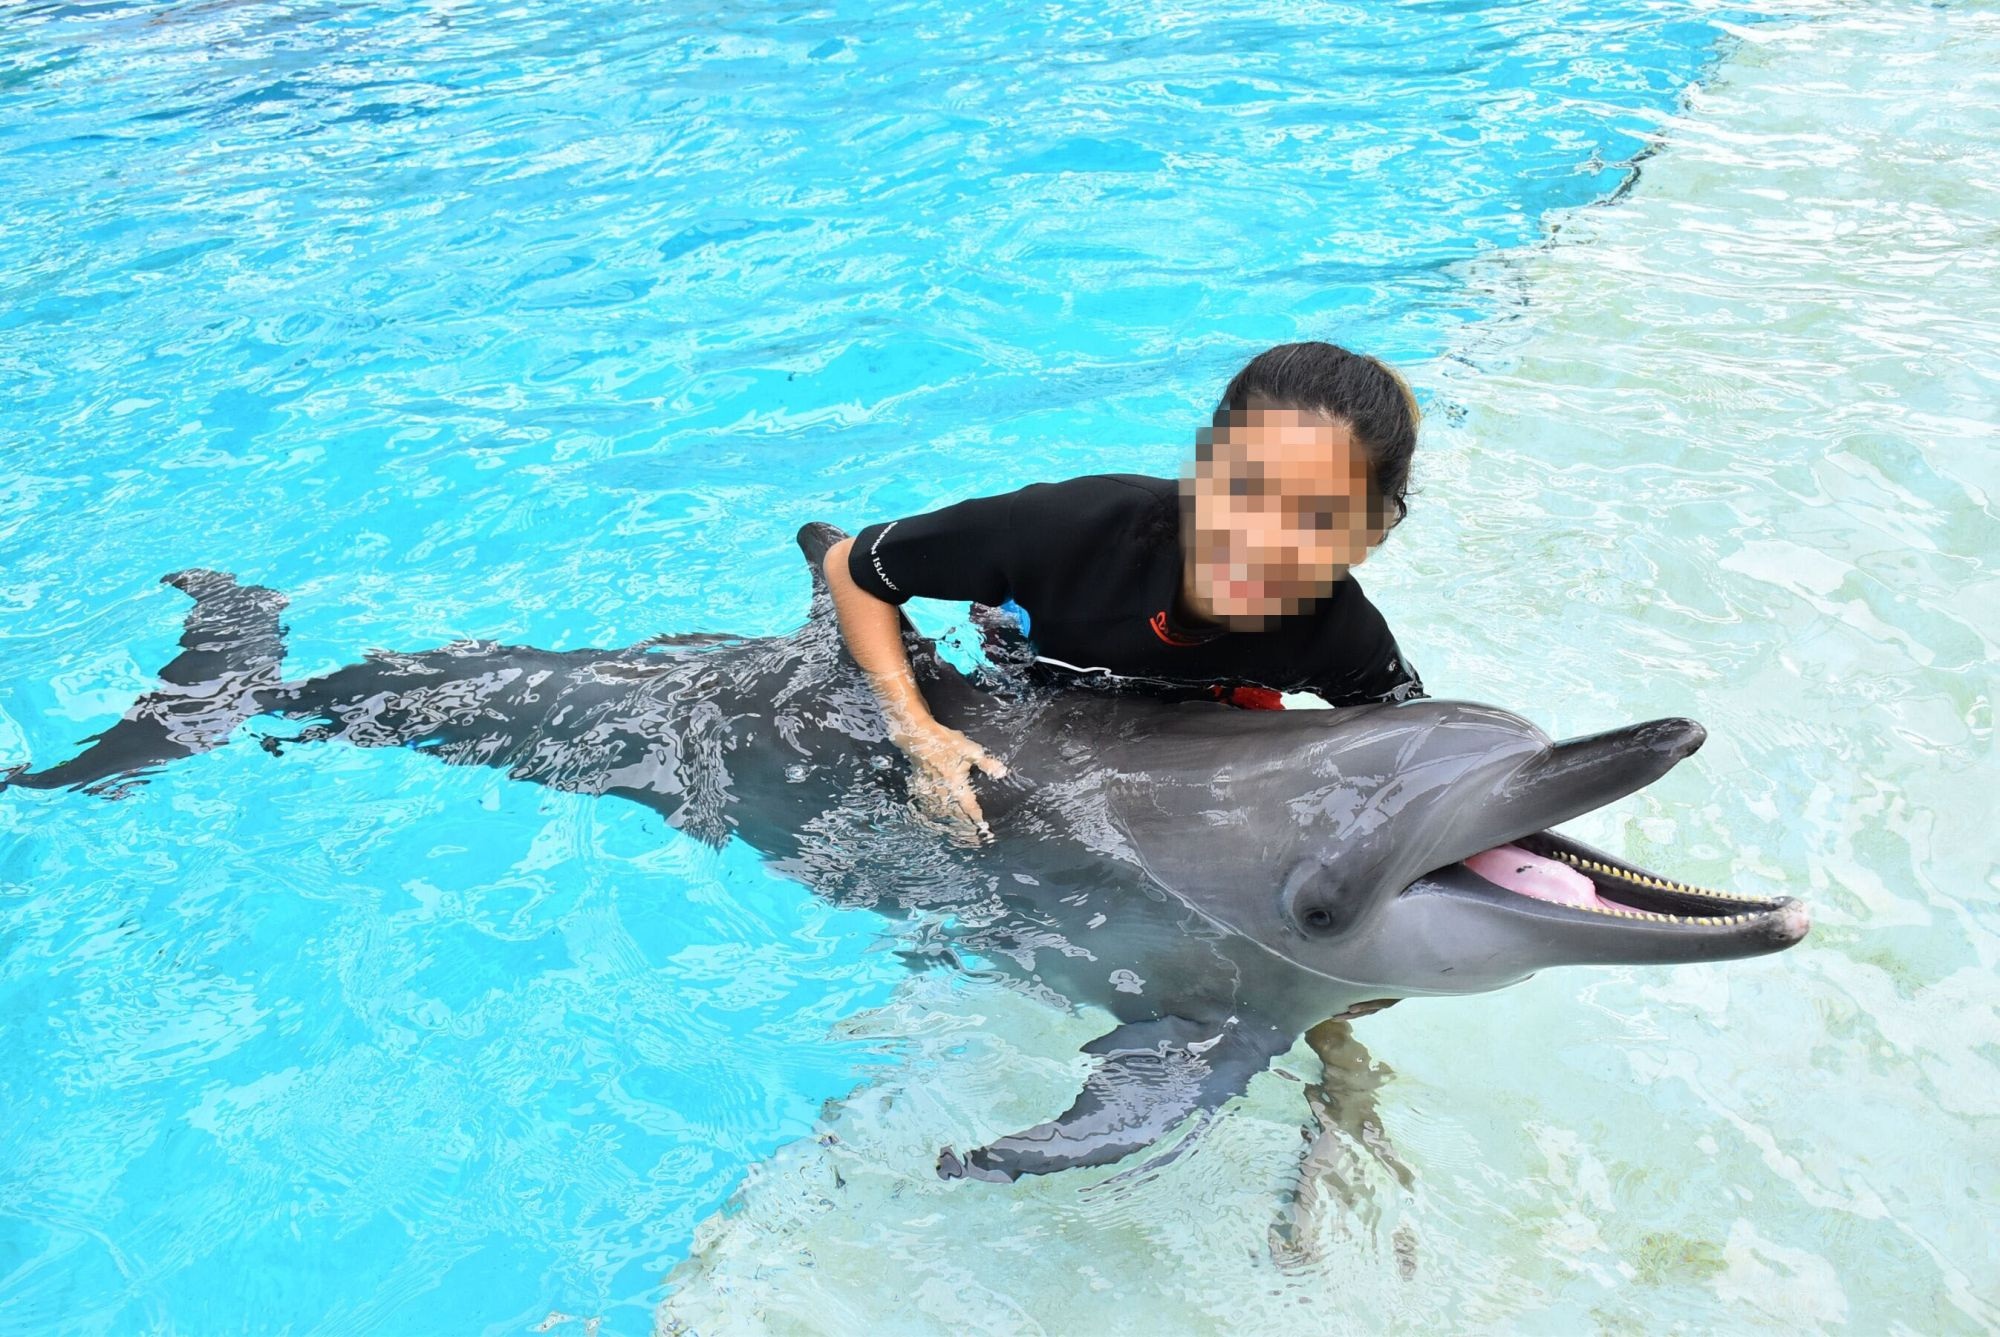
(1312,903)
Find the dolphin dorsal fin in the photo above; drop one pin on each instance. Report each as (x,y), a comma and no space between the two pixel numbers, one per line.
(814,540)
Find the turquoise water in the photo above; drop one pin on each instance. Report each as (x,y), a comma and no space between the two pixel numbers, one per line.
(552,323)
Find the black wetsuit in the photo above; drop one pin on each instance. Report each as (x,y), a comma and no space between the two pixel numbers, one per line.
(1093,567)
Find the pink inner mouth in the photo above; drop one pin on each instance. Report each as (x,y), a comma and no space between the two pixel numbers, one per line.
(1514,868)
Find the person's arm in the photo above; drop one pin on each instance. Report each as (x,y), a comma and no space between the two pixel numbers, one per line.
(941,758)
(873,631)
(955,552)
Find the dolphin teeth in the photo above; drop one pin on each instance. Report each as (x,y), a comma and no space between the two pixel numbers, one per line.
(1657,883)
(1637,878)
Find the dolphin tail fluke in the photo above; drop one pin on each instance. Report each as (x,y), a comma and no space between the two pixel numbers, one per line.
(232,649)
(1151,1075)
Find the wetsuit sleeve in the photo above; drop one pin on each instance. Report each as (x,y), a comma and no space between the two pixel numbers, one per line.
(956,552)
(1365,664)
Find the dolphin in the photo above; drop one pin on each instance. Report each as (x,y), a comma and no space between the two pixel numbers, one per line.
(1218,881)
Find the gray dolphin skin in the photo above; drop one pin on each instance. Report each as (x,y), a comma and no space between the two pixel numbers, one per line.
(1218,880)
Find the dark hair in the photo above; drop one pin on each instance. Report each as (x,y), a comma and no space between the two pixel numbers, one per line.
(1361,391)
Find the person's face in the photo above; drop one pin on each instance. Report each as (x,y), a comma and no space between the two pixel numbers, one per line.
(1275,515)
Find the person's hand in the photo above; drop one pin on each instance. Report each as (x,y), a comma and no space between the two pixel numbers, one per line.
(941,764)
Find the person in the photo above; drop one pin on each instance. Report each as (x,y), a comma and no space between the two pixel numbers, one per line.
(1234,582)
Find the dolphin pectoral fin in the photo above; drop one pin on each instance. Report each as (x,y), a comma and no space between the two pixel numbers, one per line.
(1341,1180)
(1151,1075)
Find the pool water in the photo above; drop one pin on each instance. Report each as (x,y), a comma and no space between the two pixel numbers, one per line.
(552,323)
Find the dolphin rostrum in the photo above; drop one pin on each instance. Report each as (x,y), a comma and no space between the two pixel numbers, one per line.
(1218,880)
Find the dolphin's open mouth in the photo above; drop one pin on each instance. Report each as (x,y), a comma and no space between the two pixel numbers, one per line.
(1561,900)
(1554,869)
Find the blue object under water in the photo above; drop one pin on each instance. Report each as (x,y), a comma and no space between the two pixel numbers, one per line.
(550,324)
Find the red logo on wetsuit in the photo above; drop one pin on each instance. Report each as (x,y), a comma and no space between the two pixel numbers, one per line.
(1171,637)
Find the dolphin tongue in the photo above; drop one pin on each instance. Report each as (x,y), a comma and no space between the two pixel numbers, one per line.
(1514,868)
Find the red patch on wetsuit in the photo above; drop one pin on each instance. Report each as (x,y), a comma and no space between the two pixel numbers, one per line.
(1250,698)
